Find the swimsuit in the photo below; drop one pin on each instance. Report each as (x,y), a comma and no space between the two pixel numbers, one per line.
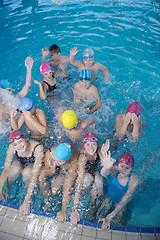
(115,190)
(91,167)
(50,87)
(26,160)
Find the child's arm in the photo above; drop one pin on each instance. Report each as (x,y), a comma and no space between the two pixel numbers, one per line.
(42,90)
(105,72)
(136,126)
(74,93)
(125,121)
(29,64)
(45,53)
(74,62)
(64,73)
(16,124)
(97,97)
(87,122)
(126,198)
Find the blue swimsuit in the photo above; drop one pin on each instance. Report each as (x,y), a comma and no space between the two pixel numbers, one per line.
(115,190)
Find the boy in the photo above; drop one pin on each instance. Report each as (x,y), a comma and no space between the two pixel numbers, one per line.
(34,118)
(84,90)
(7,100)
(88,63)
(74,127)
(55,55)
(28,161)
(61,163)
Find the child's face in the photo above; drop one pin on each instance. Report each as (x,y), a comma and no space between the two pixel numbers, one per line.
(20,145)
(85,84)
(54,56)
(91,147)
(124,169)
(48,75)
(88,62)
(57,161)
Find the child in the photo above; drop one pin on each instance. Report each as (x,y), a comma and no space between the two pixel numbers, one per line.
(28,161)
(87,173)
(48,86)
(7,100)
(34,118)
(74,127)
(121,186)
(129,122)
(55,55)
(88,63)
(61,163)
(84,91)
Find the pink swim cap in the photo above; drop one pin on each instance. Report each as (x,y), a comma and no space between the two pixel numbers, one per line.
(44,68)
(15,135)
(127,159)
(90,137)
(134,107)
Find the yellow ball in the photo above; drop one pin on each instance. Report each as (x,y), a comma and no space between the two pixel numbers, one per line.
(69,119)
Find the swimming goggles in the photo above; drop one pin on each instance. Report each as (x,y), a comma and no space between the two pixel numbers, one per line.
(86,57)
(94,139)
(17,137)
(84,79)
(46,73)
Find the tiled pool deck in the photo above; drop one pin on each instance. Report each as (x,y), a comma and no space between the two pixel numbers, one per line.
(14,226)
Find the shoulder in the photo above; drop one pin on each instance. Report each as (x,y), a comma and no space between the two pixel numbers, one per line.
(36,145)
(134,180)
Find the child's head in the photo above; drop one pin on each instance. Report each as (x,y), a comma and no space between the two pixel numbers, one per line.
(69,119)
(45,70)
(18,140)
(62,153)
(125,164)
(25,104)
(5,84)
(54,51)
(90,142)
(134,107)
(88,57)
(85,77)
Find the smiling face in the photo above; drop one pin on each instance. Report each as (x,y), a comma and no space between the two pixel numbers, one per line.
(88,62)
(20,145)
(124,169)
(48,75)
(55,161)
(85,84)
(55,56)
(91,147)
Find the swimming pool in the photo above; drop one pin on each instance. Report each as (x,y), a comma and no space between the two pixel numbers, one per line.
(125,37)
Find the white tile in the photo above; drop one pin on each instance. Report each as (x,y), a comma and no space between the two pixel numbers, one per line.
(6,236)
(13,226)
(148,236)
(67,236)
(133,236)
(104,234)
(157,236)
(118,235)
(3,210)
(89,231)
(68,227)
(87,238)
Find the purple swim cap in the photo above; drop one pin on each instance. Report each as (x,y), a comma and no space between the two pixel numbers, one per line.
(134,107)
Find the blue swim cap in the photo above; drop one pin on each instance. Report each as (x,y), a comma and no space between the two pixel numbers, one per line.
(63,151)
(85,75)
(26,104)
(5,84)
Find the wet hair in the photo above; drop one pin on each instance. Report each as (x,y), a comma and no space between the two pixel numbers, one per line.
(54,48)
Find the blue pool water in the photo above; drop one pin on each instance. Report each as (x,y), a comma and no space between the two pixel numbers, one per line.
(125,36)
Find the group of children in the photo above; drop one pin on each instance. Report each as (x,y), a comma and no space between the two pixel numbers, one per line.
(63,162)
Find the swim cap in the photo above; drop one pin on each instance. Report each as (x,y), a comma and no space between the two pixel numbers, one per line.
(69,119)
(44,68)
(134,107)
(90,137)
(63,152)
(127,159)
(26,103)
(5,84)
(85,75)
(88,53)
(15,135)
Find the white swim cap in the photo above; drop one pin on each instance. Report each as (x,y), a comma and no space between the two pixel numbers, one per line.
(88,52)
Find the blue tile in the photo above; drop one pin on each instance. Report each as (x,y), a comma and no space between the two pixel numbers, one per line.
(133,229)
(118,228)
(147,230)
(99,225)
(90,224)
(157,230)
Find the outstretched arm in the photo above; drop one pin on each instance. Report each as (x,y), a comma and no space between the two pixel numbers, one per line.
(105,72)
(74,62)
(29,64)
(7,165)
(42,90)
(16,124)
(45,53)
(25,207)
(136,126)
(97,97)
(122,122)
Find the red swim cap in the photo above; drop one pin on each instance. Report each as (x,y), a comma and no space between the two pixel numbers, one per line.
(44,68)
(134,107)
(90,137)
(127,159)
(15,135)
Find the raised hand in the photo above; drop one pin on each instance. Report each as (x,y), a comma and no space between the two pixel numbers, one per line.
(29,62)
(73,51)
(13,113)
(45,52)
